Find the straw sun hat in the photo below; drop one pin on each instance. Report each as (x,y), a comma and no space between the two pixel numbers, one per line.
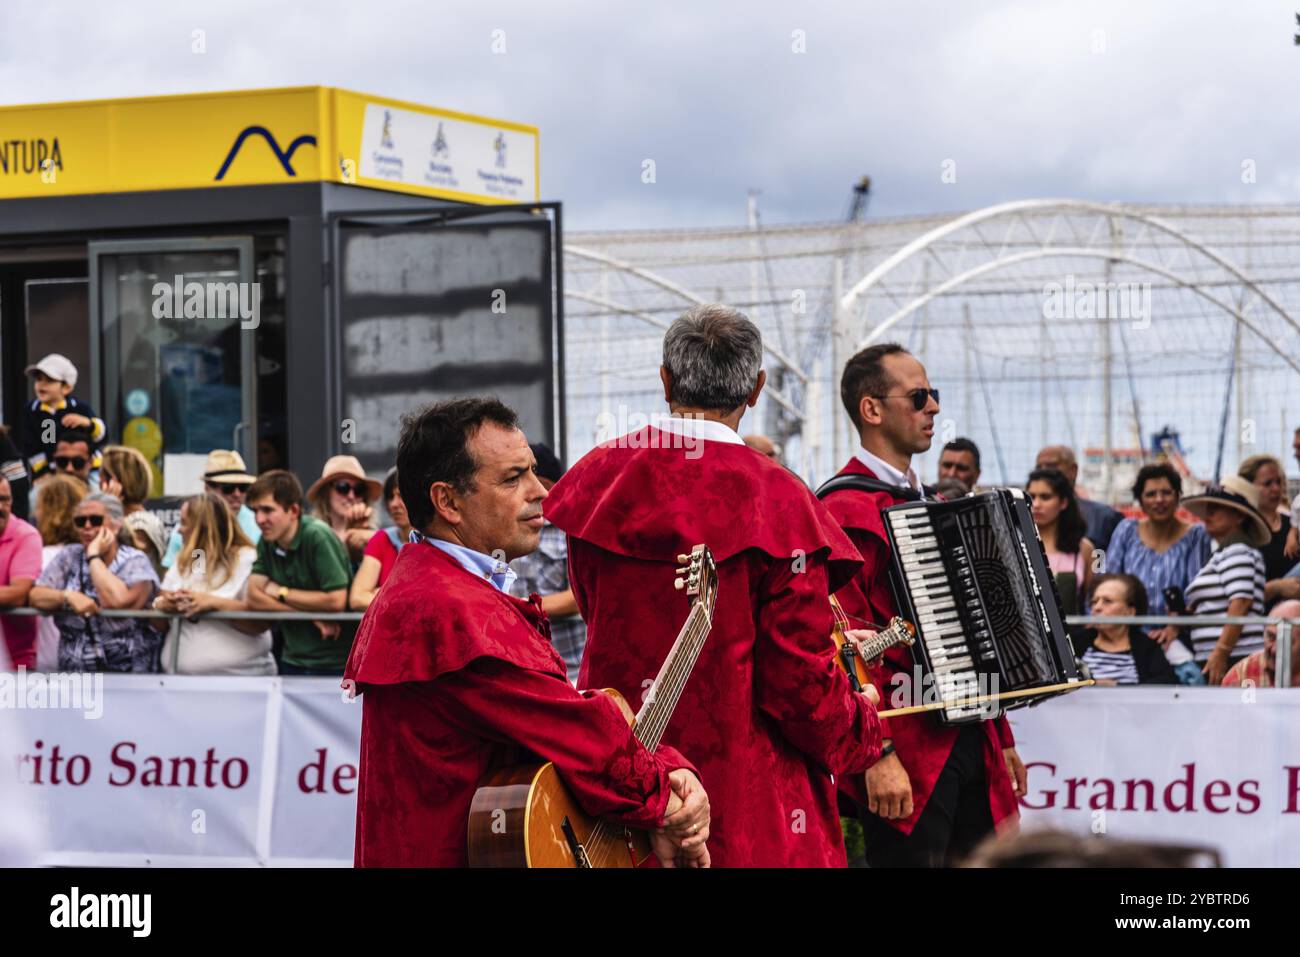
(1236,493)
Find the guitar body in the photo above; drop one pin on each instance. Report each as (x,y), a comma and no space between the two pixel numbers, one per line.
(524,816)
(858,677)
(853,659)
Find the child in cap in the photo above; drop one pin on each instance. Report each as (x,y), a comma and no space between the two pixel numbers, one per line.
(56,411)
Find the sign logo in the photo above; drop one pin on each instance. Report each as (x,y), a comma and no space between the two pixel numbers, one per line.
(386,138)
(440,148)
(284,156)
(29,156)
(499,144)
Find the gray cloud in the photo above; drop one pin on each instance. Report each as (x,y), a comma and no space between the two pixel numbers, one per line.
(1014,93)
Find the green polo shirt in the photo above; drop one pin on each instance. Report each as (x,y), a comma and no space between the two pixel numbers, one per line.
(316,561)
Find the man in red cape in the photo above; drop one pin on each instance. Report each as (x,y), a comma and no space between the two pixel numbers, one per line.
(938,790)
(766,714)
(460,678)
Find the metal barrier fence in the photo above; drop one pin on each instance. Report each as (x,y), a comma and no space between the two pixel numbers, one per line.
(1282,667)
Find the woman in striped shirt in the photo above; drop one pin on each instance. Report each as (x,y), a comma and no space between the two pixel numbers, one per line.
(1123,654)
(1232,581)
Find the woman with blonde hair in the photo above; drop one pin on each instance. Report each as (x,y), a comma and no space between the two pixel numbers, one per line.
(125,472)
(57,498)
(211,574)
(342,498)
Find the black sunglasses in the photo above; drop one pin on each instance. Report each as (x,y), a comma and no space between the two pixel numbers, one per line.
(343,488)
(225,489)
(918,396)
(94,521)
(76,461)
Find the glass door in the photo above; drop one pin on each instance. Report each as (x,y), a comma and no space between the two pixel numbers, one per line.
(173,362)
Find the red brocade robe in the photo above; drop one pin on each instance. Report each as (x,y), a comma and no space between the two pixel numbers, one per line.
(460,678)
(766,715)
(922,743)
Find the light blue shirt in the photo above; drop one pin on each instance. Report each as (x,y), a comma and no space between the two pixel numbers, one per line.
(501,575)
(247,521)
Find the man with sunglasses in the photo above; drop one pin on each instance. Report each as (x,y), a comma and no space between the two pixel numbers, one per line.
(74,455)
(225,475)
(938,790)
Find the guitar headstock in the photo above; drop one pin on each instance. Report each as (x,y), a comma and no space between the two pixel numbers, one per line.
(699,577)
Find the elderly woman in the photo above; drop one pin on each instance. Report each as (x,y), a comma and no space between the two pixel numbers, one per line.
(1122,654)
(102,571)
(1161,551)
(1232,581)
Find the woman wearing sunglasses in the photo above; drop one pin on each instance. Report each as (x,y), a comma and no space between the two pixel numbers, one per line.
(102,571)
(342,499)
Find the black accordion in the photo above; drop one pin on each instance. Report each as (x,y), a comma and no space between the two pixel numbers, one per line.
(973,577)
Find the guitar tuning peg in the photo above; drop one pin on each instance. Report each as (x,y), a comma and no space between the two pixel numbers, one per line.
(679,584)
(683,558)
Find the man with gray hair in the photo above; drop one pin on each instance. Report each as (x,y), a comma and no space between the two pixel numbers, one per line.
(766,714)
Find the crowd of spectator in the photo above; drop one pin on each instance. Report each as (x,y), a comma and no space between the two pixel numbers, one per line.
(1238,558)
(260,546)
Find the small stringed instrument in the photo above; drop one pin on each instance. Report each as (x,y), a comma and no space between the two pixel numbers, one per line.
(524,816)
(853,657)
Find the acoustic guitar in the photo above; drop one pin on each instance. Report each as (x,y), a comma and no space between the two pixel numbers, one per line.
(524,815)
(853,657)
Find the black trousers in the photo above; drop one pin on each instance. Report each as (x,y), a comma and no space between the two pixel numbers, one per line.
(955,819)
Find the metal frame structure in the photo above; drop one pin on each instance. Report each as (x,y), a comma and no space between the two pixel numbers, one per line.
(965,293)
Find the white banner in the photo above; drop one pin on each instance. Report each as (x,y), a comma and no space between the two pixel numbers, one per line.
(1207,766)
(263,771)
(183,770)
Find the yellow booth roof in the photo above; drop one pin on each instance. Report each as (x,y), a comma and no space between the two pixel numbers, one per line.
(256,137)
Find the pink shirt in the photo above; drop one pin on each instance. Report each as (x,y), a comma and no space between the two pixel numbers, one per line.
(20,557)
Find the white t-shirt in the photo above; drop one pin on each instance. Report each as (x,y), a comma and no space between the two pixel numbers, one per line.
(208,647)
(47,632)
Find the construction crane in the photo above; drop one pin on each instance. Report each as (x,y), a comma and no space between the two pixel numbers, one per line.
(858,202)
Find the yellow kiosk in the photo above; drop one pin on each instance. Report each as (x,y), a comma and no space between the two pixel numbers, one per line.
(283,272)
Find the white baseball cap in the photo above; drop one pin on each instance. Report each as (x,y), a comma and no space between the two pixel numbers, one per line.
(57,367)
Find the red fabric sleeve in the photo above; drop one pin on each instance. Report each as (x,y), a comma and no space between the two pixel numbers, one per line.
(796,680)
(1005,738)
(584,734)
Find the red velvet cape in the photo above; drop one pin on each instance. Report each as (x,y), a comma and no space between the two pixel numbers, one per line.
(922,743)
(460,678)
(766,715)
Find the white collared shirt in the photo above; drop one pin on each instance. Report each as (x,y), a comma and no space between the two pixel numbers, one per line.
(492,570)
(887,473)
(697,428)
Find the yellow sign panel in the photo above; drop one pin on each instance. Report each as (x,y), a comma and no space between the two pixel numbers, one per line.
(260,137)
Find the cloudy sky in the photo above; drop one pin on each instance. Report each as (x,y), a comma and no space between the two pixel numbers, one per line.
(1160,101)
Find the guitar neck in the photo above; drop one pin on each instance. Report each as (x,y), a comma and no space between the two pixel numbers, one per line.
(661,698)
(898,633)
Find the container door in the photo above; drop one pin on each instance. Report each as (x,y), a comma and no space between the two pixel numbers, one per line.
(172,355)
